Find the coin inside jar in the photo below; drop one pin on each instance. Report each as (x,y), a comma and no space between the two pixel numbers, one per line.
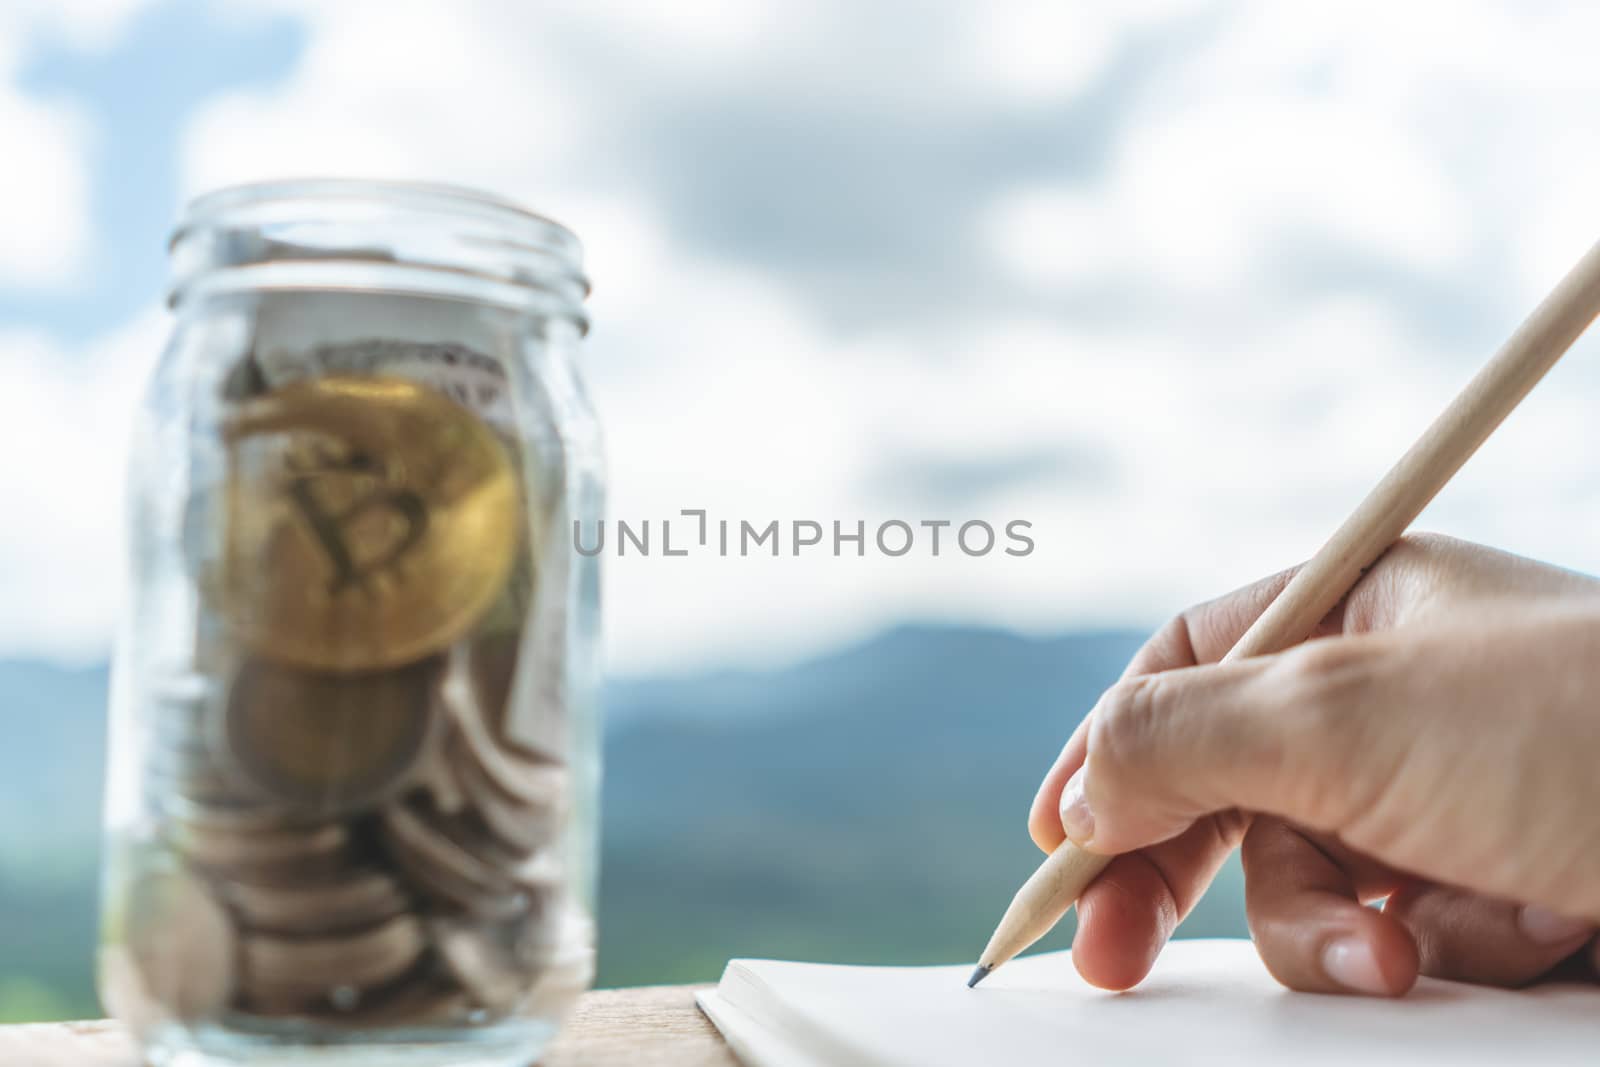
(323,742)
(491,666)
(426,1000)
(348,900)
(516,822)
(282,974)
(226,849)
(483,957)
(181,944)
(520,777)
(370,522)
(455,860)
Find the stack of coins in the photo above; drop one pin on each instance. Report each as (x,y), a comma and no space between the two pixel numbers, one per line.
(333,776)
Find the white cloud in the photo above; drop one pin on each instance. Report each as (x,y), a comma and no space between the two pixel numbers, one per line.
(44,191)
(44,185)
(1044,51)
(1205,190)
(1228,157)
(61,554)
(400,90)
(1478,140)
(1053,237)
(1039,52)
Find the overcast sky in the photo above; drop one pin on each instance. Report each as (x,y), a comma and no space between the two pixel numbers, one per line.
(1172,281)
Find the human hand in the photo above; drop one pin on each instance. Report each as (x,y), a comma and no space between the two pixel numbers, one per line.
(1441,749)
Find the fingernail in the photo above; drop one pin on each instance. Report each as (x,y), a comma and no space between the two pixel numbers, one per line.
(1349,962)
(1544,927)
(1076,818)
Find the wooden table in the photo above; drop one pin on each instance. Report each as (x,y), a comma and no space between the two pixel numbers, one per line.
(656,1026)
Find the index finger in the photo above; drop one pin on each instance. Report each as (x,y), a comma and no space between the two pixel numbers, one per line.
(1197,635)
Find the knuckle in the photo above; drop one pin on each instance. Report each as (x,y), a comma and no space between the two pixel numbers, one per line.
(1422,544)
(1175,638)
(1230,828)
(1416,560)
(1125,727)
(1170,646)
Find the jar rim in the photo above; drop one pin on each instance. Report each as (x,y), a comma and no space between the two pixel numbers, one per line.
(447,196)
(466,231)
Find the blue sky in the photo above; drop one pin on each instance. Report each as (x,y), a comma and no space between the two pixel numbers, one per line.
(1172,279)
(140,92)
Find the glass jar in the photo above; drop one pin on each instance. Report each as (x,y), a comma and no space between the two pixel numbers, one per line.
(354,757)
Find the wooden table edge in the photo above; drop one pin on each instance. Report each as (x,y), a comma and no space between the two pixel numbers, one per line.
(645,1026)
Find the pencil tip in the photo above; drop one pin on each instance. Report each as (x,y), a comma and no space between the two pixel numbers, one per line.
(978,975)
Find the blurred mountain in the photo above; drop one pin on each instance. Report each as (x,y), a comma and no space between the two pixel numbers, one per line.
(52,756)
(868,805)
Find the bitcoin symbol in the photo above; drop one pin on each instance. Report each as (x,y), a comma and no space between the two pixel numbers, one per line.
(337,482)
(329,526)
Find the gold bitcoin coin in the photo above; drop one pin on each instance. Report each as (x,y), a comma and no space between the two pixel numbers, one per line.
(370,522)
(325,743)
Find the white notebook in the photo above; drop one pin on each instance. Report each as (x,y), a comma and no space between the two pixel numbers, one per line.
(1207,1002)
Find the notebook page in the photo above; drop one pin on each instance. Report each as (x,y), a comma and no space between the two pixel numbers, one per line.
(1207,1002)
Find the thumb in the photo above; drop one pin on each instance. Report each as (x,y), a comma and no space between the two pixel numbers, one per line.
(1286,734)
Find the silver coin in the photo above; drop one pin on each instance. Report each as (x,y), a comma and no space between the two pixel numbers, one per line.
(523,778)
(180,947)
(483,958)
(521,825)
(561,946)
(438,883)
(560,984)
(230,813)
(352,900)
(449,858)
(423,1001)
(202,787)
(441,841)
(541,872)
(181,764)
(283,975)
(229,851)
